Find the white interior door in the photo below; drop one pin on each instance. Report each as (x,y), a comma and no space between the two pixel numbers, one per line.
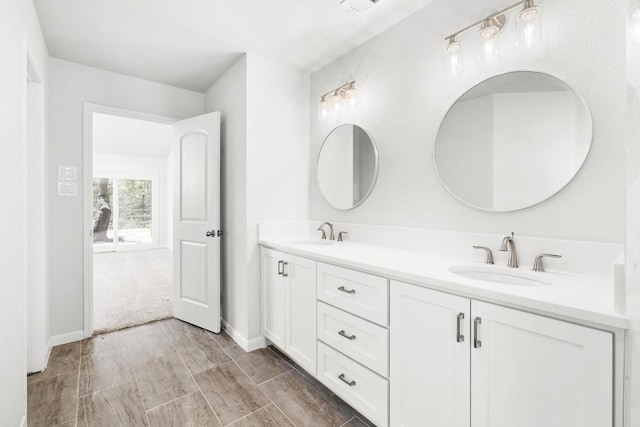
(196,249)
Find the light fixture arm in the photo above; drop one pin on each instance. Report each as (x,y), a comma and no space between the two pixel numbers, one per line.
(488,18)
(339,91)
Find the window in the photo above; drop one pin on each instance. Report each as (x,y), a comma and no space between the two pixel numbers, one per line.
(124,214)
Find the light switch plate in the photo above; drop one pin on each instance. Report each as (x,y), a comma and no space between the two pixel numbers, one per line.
(67,173)
(67,189)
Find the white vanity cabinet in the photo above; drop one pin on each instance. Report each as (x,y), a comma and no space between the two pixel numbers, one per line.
(430,358)
(532,371)
(511,368)
(289,305)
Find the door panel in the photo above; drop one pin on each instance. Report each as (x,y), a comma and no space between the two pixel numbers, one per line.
(532,371)
(196,213)
(194,272)
(193,176)
(300,279)
(273,299)
(430,360)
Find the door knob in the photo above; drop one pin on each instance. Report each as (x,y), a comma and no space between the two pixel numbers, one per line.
(211,233)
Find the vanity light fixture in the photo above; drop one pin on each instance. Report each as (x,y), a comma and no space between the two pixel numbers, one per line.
(528,27)
(453,47)
(635,24)
(332,101)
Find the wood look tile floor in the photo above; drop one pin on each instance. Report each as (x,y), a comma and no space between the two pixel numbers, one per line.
(171,373)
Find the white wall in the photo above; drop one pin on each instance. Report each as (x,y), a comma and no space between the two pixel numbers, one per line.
(265,170)
(405,89)
(229,96)
(19,30)
(277,158)
(71,85)
(633,225)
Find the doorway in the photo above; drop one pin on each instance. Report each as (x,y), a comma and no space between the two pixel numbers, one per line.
(129,215)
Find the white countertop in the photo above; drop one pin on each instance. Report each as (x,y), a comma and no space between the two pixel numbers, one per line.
(585,299)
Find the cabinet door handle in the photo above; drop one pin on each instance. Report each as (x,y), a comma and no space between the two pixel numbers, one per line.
(344,334)
(280,270)
(459,336)
(347,291)
(476,342)
(349,383)
(284,271)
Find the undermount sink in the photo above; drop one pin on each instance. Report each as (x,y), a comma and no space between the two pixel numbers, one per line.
(503,276)
(318,242)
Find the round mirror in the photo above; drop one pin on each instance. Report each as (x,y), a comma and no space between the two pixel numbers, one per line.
(513,141)
(347,166)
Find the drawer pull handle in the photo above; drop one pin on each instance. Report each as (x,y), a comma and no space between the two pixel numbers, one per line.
(344,334)
(280,268)
(284,272)
(476,342)
(460,337)
(350,291)
(349,383)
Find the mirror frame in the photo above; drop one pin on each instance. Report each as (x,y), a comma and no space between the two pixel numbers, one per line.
(584,161)
(375,171)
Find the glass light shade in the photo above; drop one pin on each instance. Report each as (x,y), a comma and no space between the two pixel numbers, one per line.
(488,49)
(635,25)
(323,110)
(529,28)
(455,63)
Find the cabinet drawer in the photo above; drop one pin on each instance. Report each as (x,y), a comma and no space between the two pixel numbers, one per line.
(359,293)
(363,389)
(359,339)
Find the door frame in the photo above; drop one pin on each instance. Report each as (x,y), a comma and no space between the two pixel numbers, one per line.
(89,110)
(38,343)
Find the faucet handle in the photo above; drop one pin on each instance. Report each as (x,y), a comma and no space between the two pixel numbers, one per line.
(538,264)
(324,233)
(340,234)
(489,257)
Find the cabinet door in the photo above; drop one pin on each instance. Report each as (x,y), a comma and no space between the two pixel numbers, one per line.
(429,373)
(532,371)
(300,313)
(273,289)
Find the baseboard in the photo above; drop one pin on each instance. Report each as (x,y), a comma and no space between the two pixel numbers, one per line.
(46,357)
(256,343)
(24,421)
(247,345)
(66,338)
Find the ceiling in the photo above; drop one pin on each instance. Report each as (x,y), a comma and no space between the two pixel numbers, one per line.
(191,43)
(123,136)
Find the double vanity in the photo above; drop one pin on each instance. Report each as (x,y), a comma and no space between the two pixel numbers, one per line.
(421,331)
(410,338)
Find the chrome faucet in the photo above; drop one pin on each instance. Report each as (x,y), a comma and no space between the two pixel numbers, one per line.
(324,234)
(508,243)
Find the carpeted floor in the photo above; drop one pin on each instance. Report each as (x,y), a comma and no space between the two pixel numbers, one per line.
(131,288)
